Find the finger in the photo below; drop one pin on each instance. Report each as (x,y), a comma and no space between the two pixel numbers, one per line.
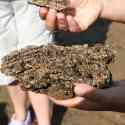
(82,89)
(43,12)
(72,24)
(61,22)
(93,94)
(51,19)
(80,103)
(70,11)
(72,3)
(69,102)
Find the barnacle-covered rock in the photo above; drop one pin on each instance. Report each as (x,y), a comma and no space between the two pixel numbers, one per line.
(59,5)
(54,68)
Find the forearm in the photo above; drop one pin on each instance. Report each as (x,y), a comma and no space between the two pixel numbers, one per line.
(113,10)
(112,98)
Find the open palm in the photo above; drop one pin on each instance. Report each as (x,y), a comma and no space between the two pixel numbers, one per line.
(90,98)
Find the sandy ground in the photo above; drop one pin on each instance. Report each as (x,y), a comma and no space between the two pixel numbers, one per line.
(104,31)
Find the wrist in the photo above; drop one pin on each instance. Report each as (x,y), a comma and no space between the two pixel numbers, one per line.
(113,10)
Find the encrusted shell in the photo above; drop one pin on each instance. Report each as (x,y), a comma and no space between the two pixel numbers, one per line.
(53,69)
(54,4)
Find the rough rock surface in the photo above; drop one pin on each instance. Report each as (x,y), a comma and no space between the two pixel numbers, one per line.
(54,68)
(59,5)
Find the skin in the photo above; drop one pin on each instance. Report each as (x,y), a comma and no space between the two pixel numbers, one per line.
(90,11)
(40,104)
(20,103)
(90,98)
(79,18)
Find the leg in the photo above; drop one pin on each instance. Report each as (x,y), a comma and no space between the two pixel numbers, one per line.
(8,43)
(18,98)
(27,16)
(41,105)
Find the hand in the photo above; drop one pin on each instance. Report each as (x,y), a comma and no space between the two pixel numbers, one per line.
(80,17)
(90,98)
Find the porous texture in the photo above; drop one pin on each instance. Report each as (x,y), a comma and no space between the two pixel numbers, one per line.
(59,5)
(53,69)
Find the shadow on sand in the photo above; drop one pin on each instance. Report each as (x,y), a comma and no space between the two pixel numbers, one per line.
(3,114)
(58,113)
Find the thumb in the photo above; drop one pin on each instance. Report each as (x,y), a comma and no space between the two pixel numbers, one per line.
(84,90)
(91,93)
